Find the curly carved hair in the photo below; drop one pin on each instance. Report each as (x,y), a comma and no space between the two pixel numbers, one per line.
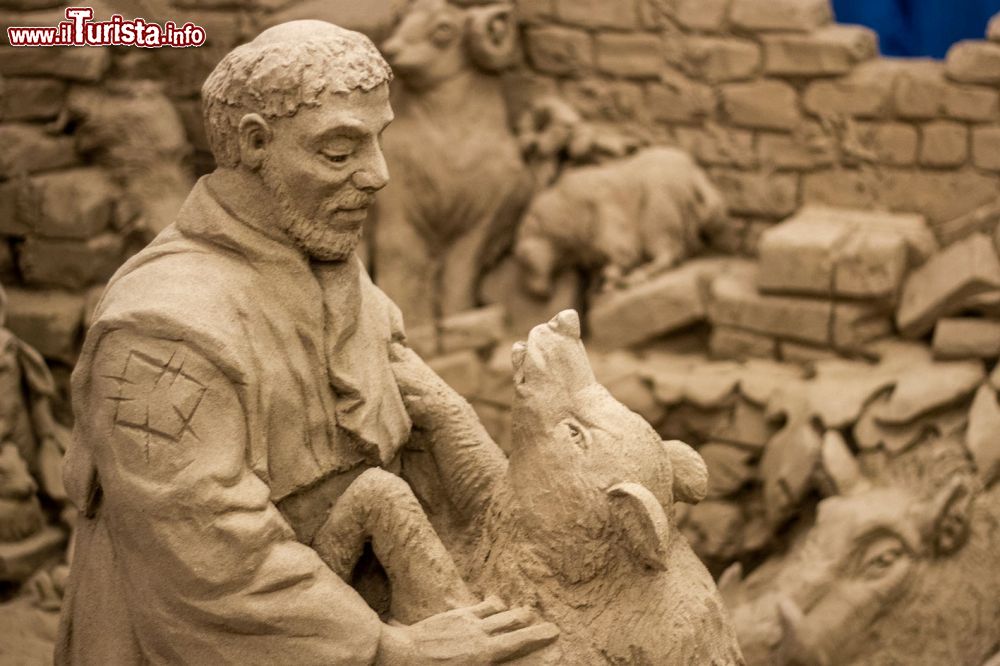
(285,68)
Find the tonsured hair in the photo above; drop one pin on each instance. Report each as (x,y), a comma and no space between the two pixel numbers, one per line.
(285,68)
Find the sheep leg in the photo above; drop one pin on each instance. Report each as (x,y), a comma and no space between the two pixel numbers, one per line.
(381,508)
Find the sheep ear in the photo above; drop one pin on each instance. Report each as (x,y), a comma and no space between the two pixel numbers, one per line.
(492,36)
(839,464)
(644,523)
(690,472)
(950,512)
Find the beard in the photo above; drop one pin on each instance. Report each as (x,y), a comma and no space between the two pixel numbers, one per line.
(319,240)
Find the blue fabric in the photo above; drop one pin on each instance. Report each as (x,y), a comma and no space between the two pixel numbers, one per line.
(919,27)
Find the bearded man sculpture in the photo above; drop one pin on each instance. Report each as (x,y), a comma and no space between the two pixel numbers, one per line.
(237,379)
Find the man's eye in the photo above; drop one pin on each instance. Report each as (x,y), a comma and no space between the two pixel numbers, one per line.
(336,158)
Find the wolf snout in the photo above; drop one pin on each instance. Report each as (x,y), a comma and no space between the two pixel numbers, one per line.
(567,323)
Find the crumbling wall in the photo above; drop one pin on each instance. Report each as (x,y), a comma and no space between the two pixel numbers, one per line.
(783,106)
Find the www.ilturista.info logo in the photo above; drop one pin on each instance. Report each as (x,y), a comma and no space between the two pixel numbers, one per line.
(80,30)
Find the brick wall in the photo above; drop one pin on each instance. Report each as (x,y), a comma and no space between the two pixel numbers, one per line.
(782,106)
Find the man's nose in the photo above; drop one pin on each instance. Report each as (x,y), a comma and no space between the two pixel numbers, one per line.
(374,174)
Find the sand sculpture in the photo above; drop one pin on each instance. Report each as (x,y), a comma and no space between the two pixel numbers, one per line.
(580,521)
(185,461)
(899,567)
(452,209)
(862,192)
(628,220)
(31,451)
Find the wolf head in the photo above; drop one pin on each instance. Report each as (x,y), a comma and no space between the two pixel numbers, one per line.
(583,466)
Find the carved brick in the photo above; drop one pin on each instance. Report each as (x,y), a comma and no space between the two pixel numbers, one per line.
(761,104)
(831,50)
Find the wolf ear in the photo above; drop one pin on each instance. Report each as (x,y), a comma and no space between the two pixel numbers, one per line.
(690,472)
(644,522)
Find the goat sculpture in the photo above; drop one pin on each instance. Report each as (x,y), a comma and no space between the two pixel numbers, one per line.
(458,183)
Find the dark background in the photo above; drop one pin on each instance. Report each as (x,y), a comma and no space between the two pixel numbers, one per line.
(918,27)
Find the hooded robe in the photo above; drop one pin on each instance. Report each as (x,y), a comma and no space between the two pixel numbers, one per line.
(227,391)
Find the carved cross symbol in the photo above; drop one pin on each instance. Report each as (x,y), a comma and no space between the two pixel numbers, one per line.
(156,398)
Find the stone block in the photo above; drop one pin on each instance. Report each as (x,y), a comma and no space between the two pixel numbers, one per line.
(933,291)
(632,55)
(737,345)
(665,303)
(718,59)
(981,436)
(72,264)
(718,146)
(986,148)
(560,51)
(833,253)
(807,147)
(757,193)
(49,321)
(865,93)
(853,325)
(966,337)
(922,92)
(796,352)
(829,51)
(970,103)
(679,100)
(703,15)
(790,15)
(477,329)
(11,223)
(189,111)
(77,203)
(761,104)
(30,149)
(32,99)
(534,10)
(19,560)
(974,61)
(598,13)
(945,144)
(939,195)
(733,301)
(729,468)
(30,5)
(6,262)
(615,100)
(65,62)
(461,370)
(891,143)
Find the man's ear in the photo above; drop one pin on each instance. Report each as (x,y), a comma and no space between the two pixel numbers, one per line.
(950,516)
(644,522)
(255,135)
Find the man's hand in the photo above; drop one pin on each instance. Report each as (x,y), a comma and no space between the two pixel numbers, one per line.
(487,633)
(424,393)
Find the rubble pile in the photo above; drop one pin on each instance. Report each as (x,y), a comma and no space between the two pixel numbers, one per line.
(761,424)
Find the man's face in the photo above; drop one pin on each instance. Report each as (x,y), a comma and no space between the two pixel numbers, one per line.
(323,166)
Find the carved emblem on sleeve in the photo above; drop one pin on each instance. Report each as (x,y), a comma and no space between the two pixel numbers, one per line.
(156,397)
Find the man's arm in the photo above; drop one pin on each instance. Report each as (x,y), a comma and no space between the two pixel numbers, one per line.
(213,571)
